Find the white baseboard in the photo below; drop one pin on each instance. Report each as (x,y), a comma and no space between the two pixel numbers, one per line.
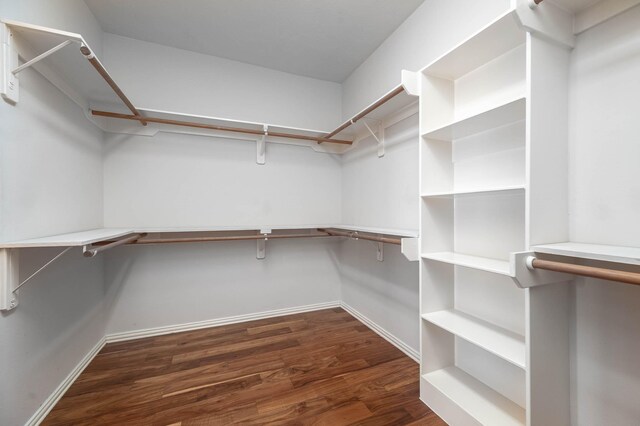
(53,399)
(158,331)
(409,351)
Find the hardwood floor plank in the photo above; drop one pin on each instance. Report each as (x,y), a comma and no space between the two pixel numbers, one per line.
(316,368)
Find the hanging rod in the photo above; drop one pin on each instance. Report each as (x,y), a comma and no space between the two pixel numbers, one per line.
(221,238)
(318,139)
(357,235)
(105,75)
(362,114)
(584,271)
(91,252)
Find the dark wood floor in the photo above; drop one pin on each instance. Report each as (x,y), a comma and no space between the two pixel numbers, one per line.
(322,368)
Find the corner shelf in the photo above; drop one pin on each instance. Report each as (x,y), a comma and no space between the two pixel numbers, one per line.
(503,343)
(476,399)
(494,116)
(479,191)
(495,266)
(597,252)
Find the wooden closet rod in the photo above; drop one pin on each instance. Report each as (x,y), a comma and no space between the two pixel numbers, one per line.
(359,236)
(221,128)
(585,271)
(220,238)
(105,75)
(371,108)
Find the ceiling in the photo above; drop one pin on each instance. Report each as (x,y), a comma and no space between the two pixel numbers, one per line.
(324,39)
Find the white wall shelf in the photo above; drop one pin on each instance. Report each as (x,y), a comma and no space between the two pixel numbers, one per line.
(506,344)
(73,239)
(493,116)
(597,252)
(495,266)
(478,191)
(69,69)
(481,403)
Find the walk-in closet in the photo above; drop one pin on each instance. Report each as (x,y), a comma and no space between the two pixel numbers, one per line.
(363,212)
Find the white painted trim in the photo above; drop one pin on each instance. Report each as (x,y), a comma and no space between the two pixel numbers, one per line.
(53,399)
(169,329)
(408,350)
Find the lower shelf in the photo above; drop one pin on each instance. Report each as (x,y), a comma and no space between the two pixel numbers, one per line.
(499,341)
(477,401)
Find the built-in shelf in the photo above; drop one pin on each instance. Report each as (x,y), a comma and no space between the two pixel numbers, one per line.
(493,117)
(477,191)
(478,400)
(605,253)
(476,262)
(503,343)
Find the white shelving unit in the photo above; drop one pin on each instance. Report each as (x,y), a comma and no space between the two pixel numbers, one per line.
(492,147)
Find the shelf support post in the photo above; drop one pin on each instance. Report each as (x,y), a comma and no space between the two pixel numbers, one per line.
(380,255)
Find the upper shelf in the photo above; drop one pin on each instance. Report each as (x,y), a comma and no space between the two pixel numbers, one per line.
(497,38)
(605,253)
(67,68)
(72,68)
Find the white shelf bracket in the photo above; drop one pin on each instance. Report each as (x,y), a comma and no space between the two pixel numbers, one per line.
(380,256)
(261,245)
(41,57)
(261,146)
(378,136)
(9,84)
(9,276)
(525,277)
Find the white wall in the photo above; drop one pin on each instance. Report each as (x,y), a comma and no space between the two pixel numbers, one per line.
(433,29)
(165,78)
(50,182)
(183,180)
(189,181)
(163,285)
(383,192)
(604,206)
